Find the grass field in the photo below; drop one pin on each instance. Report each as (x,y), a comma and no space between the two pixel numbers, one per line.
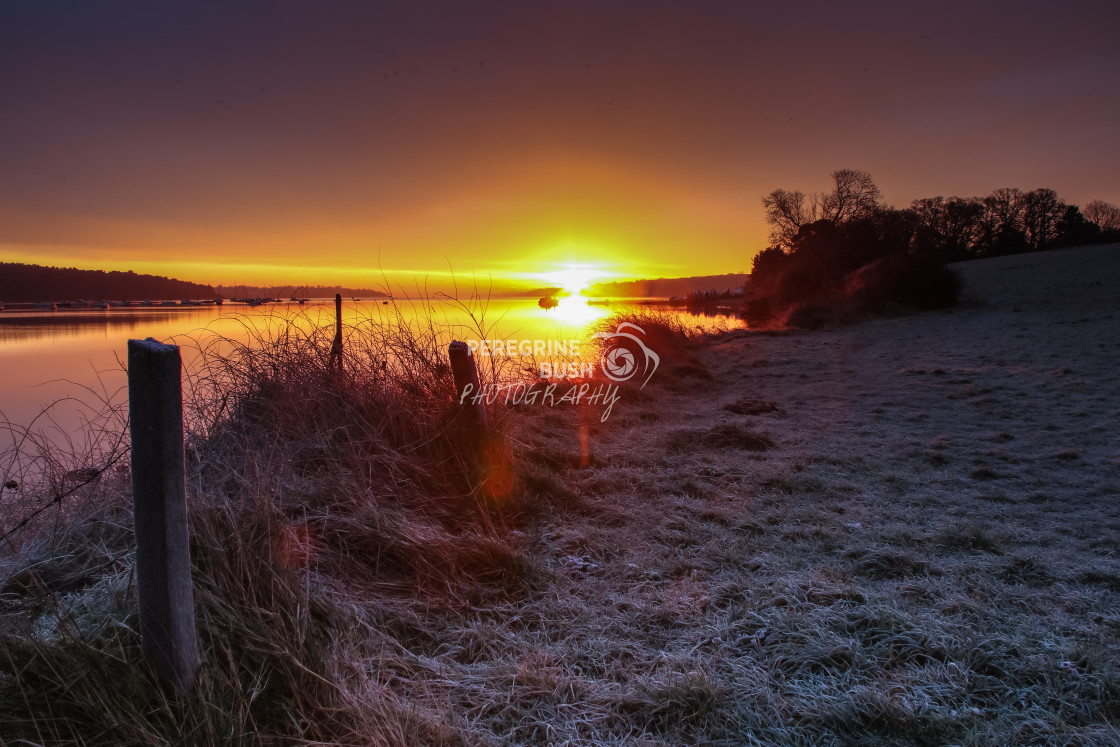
(904,531)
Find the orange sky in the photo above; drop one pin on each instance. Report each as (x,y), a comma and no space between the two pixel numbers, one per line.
(358,143)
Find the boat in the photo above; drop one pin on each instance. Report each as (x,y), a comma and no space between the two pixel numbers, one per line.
(548,302)
(45,306)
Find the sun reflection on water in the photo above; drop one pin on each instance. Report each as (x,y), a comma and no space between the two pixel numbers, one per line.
(576,310)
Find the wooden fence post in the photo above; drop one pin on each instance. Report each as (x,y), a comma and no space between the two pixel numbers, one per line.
(163,564)
(465,371)
(336,347)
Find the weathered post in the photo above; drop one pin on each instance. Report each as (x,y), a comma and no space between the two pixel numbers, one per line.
(467,386)
(336,347)
(163,563)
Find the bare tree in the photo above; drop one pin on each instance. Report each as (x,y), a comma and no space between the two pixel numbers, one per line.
(1002,217)
(1041,212)
(1104,214)
(787,212)
(854,195)
(951,224)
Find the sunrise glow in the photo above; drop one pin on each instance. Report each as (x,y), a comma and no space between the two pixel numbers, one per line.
(307,153)
(573,279)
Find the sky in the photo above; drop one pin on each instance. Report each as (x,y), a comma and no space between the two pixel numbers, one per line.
(367,143)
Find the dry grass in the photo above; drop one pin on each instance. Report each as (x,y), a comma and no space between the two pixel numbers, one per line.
(914,557)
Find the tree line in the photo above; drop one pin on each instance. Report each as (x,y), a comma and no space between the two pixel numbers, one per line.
(1007,221)
(23,283)
(843,252)
(846,249)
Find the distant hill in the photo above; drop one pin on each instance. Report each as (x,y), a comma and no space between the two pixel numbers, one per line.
(666,287)
(552,290)
(296,291)
(23,283)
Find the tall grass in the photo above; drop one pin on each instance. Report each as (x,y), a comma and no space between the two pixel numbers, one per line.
(327,493)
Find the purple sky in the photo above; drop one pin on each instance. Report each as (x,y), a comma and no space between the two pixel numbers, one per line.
(333,141)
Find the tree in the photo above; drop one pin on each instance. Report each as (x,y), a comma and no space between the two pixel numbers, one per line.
(767,268)
(787,212)
(853,195)
(1104,214)
(946,228)
(1073,229)
(1001,225)
(768,261)
(1041,212)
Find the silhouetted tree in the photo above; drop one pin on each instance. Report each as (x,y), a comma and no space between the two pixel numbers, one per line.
(853,195)
(787,212)
(1104,214)
(1001,223)
(946,229)
(768,261)
(844,246)
(1073,229)
(1041,212)
(856,254)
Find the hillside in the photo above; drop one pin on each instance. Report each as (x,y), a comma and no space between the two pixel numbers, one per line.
(296,291)
(665,287)
(23,283)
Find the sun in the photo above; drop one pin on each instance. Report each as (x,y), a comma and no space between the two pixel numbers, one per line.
(573,278)
(573,308)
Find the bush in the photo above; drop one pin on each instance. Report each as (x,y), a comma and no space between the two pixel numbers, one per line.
(905,281)
(817,316)
(767,268)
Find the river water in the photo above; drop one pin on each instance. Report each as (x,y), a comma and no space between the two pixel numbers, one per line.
(59,370)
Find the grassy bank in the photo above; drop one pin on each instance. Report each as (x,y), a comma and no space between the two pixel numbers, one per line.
(899,532)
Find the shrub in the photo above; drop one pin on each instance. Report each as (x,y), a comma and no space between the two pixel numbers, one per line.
(907,281)
(813,315)
(767,267)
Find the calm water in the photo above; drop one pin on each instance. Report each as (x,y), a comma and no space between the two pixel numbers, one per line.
(59,368)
